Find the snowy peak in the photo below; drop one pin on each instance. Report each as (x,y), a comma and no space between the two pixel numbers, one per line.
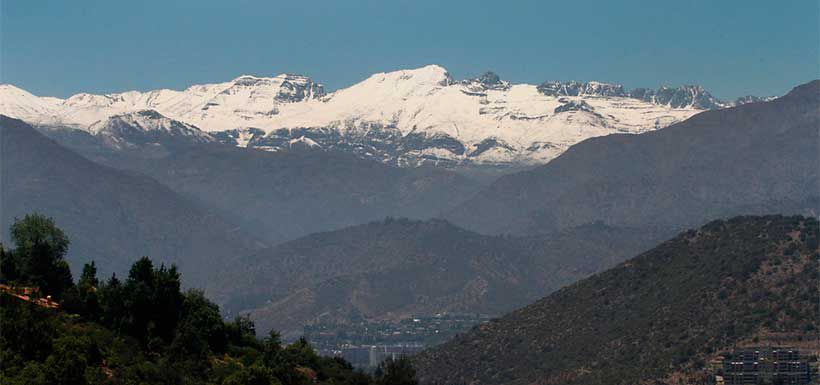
(408,117)
(284,88)
(573,88)
(90,100)
(753,99)
(146,127)
(691,96)
(685,96)
(487,81)
(146,120)
(20,104)
(403,83)
(257,94)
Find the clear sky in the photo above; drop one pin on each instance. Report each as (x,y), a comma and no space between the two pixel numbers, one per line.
(732,48)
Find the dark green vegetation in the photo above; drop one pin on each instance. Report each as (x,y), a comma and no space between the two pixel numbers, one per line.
(140,330)
(38,259)
(399,268)
(660,315)
(754,159)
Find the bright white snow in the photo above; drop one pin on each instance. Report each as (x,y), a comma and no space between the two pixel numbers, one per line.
(423,101)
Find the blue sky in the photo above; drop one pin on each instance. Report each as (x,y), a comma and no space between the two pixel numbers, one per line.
(732,48)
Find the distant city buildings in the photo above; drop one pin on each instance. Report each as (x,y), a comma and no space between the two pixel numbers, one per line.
(764,365)
(368,343)
(370,356)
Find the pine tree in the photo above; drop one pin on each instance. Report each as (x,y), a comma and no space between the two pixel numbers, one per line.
(87,288)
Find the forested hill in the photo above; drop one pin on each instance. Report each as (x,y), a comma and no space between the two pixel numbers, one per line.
(657,316)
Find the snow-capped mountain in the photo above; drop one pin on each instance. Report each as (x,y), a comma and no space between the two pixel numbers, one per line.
(680,97)
(144,127)
(405,117)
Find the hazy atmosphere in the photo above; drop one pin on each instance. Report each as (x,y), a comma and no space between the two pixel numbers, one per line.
(409,193)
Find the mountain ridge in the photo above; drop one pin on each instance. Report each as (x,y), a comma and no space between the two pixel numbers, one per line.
(396,268)
(405,117)
(756,158)
(657,318)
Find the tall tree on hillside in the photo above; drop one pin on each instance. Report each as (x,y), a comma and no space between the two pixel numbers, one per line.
(39,251)
(153,301)
(8,266)
(396,371)
(112,304)
(87,289)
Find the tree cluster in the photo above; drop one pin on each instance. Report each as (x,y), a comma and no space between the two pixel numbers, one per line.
(142,329)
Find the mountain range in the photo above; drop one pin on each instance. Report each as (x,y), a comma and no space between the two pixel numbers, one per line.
(585,211)
(404,118)
(596,204)
(235,216)
(754,158)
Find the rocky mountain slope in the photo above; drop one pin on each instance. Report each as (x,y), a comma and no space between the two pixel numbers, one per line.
(114,217)
(407,117)
(756,158)
(145,127)
(655,319)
